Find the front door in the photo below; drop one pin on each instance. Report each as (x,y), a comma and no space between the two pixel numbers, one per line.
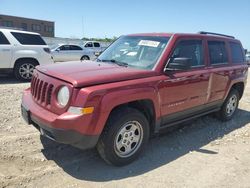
(183,92)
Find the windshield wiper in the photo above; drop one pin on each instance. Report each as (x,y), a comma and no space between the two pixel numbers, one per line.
(113,61)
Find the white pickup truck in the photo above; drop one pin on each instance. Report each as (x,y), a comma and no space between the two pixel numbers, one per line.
(94,45)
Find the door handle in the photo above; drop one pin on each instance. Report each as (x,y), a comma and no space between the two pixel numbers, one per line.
(5,50)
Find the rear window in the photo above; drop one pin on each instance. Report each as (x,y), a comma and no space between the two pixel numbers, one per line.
(28,39)
(237,53)
(3,39)
(96,44)
(217,52)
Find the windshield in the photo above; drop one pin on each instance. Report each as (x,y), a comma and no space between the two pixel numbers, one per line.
(135,51)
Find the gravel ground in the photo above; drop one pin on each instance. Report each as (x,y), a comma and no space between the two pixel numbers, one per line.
(205,153)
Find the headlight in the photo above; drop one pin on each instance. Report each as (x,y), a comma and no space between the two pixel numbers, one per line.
(63,96)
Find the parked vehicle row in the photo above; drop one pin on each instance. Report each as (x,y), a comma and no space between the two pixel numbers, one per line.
(140,85)
(21,51)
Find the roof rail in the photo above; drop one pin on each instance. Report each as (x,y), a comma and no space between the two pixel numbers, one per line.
(13,28)
(218,34)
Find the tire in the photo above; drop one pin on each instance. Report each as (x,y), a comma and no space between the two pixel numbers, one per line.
(21,67)
(124,137)
(84,58)
(229,106)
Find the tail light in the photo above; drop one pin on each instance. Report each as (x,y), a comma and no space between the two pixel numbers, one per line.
(47,50)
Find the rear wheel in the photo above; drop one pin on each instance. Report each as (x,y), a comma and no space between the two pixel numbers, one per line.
(124,137)
(229,106)
(24,69)
(84,58)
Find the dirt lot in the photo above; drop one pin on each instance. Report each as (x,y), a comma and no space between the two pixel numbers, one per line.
(207,153)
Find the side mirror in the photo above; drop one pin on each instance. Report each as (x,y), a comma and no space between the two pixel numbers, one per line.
(179,63)
(58,49)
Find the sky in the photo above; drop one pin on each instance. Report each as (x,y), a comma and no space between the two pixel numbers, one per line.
(108,18)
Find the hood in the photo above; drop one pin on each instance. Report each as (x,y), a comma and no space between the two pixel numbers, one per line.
(88,73)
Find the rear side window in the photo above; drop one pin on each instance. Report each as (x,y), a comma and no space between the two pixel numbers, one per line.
(74,47)
(217,52)
(65,48)
(237,53)
(3,39)
(96,44)
(190,49)
(28,39)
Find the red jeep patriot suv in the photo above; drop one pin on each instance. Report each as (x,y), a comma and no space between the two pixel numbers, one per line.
(138,86)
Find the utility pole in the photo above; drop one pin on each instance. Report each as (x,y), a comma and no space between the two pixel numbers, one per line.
(82,27)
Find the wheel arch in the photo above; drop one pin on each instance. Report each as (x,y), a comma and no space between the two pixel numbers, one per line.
(239,86)
(145,106)
(20,60)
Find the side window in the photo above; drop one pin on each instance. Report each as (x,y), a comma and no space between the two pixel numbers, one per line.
(237,53)
(191,49)
(74,47)
(89,45)
(96,44)
(3,39)
(64,48)
(28,39)
(217,52)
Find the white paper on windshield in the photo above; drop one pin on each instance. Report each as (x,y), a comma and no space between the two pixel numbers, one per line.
(149,43)
(131,53)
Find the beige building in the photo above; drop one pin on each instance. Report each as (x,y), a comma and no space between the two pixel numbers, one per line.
(45,28)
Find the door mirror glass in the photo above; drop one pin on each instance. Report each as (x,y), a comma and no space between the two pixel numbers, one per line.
(179,63)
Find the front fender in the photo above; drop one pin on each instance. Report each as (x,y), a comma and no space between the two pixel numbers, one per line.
(115,98)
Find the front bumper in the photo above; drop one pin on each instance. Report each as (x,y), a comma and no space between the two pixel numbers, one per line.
(47,124)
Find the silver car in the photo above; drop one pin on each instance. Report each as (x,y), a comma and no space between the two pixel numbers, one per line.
(71,52)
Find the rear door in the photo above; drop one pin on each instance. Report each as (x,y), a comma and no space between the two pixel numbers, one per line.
(97,46)
(5,52)
(220,69)
(183,92)
(63,53)
(75,52)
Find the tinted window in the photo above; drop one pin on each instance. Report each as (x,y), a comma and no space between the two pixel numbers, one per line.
(24,26)
(217,52)
(74,47)
(28,39)
(96,44)
(3,39)
(237,53)
(89,44)
(36,27)
(7,23)
(65,47)
(191,49)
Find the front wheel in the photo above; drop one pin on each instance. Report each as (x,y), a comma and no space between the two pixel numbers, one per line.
(124,137)
(229,106)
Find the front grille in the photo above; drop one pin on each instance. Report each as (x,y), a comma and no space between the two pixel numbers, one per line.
(41,91)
